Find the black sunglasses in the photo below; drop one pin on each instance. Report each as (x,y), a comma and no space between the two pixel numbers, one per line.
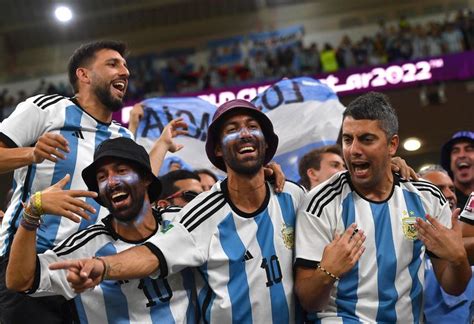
(187,195)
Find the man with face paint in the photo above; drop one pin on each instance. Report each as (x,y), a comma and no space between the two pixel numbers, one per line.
(120,178)
(49,136)
(238,236)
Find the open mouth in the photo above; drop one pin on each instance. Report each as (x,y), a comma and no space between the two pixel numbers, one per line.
(361,169)
(246,149)
(463,165)
(120,86)
(119,199)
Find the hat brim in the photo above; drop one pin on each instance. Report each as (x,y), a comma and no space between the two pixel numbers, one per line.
(266,125)
(90,178)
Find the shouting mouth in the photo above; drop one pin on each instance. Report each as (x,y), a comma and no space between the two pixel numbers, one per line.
(120,86)
(361,169)
(119,199)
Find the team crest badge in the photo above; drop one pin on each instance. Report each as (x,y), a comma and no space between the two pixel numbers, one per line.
(288,234)
(408,222)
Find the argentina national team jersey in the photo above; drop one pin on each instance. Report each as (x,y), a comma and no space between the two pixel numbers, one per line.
(144,300)
(59,115)
(386,284)
(244,261)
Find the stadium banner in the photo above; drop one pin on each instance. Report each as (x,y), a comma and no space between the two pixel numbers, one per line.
(305,113)
(275,39)
(225,52)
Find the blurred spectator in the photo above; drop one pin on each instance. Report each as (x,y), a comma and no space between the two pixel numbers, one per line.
(178,188)
(457,156)
(320,164)
(452,39)
(328,59)
(207,178)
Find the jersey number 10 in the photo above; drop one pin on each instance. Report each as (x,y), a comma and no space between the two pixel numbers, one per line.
(272,269)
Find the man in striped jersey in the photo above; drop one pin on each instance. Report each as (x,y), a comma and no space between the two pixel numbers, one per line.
(361,235)
(239,235)
(47,137)
(120,178)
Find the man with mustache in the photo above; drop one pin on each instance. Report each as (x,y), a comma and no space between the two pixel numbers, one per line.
(49,136)
(120,179)
(238,236)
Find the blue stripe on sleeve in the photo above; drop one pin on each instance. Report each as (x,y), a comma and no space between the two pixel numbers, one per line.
(346,297)
(265,238)
(115,301)
(386,263)
(238,285)
(414,204)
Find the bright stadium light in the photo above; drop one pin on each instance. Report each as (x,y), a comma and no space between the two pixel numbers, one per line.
(63,14)
(412,144)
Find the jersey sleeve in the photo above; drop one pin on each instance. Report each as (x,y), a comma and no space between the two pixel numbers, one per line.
(50,282)
(176,249)
(436,204)
(313,232)
(25,125)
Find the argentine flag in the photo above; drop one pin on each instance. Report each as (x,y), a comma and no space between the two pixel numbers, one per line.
(305,113)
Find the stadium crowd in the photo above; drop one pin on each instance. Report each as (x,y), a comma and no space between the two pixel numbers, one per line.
(158,76)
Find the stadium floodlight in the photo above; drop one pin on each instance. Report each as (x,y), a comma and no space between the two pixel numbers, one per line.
(63,14)
(412,144)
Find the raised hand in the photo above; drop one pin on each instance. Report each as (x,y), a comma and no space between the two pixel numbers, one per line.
(136,114)
(340,256)
(56,201)
(273,170)
(174,128)
(82,274)
(50,147)
(446,243)
(400,165)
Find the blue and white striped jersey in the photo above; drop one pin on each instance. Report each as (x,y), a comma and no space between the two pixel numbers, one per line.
(31,119)
(244,261)
(386,284)
(145,300)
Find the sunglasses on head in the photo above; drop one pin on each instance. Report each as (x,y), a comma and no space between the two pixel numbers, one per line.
(186,195)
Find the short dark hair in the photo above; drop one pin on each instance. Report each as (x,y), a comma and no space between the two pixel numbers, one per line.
(312,159)
(83,55)
(168,181)
(208,172)
(374,106)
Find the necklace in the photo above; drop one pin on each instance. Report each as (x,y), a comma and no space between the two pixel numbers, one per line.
(253,189)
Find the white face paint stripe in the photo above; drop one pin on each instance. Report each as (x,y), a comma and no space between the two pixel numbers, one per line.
(233,136)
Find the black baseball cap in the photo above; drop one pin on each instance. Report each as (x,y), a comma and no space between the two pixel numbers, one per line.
(124,149)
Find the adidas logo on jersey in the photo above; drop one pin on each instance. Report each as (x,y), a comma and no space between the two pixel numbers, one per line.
(247,256)
(78,134)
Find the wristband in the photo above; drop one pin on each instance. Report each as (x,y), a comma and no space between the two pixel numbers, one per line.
(37,203)
(105,273)
(332,275)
